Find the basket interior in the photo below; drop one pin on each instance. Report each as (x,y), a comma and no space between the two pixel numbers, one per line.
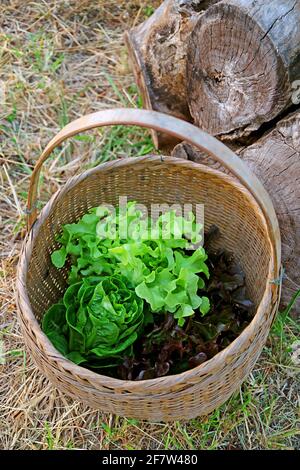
(226,204)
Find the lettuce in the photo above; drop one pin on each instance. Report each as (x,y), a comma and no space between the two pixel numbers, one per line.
(98,319)
(122,262)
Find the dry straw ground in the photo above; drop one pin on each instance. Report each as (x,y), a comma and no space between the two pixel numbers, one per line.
(58,60)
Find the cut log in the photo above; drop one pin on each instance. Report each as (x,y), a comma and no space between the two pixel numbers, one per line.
(157,49)
(275,159)
(243,57)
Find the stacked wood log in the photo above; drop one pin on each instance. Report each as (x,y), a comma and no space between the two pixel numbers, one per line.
(228,66)
(242,59)
(158,49)
(232,67)
(275,159)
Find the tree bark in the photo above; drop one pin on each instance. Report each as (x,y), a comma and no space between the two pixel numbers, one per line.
(243,57)
(157,49)
(275,159)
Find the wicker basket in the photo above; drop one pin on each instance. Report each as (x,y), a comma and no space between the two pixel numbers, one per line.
(241,209)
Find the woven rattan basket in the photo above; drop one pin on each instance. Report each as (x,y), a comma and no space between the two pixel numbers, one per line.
(239,206)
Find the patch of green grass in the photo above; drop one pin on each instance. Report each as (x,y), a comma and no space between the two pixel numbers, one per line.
(13,353)
(115,141)
(70,445)
(121,97)
(64,113)
(13,114)
(283,318)
(42,52)
(123,141)
(284,332)
(50,440)
(212,432)
(148,10)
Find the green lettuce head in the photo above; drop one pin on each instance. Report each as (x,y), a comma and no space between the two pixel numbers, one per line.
(97,321)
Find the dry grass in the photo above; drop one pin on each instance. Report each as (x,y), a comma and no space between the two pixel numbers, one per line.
(58,60)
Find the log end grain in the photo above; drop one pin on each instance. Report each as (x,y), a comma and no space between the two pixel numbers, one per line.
(236,77)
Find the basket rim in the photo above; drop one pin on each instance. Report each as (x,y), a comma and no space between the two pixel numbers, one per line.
(24,305)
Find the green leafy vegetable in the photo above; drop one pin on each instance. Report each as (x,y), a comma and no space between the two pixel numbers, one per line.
(99,318)
(166,348)
(121,262)
(152,255)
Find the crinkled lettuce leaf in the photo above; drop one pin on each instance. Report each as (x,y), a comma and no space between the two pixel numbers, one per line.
(98,319)
(121,260)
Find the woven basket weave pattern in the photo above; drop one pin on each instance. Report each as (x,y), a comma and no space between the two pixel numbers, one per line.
(149,180)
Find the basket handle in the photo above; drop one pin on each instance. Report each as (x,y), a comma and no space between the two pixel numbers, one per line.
(176,128)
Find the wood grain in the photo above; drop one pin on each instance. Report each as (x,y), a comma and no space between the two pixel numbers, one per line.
(243,56)
(275,159)
(157,50)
